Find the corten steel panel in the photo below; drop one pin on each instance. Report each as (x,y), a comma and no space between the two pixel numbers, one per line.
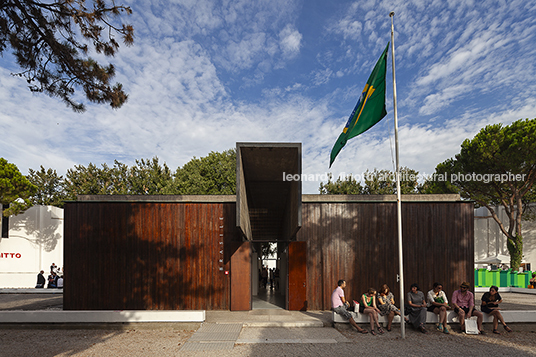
(268,204)
(297,276)
(147,256)
(241,276)
(358,242)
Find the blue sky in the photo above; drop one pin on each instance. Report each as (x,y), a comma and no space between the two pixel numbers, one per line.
(203,75)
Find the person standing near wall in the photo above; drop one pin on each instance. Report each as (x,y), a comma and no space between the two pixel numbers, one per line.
(40,280)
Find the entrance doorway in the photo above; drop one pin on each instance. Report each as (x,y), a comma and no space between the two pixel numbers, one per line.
(268,216)
(268,290)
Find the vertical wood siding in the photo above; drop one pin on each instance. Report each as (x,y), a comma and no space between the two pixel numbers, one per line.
(150,256)
(147,256)
(358,242)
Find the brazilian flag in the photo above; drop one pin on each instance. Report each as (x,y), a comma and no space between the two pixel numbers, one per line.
(370,107)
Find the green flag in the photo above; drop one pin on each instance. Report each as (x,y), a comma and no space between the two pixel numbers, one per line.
(370,107)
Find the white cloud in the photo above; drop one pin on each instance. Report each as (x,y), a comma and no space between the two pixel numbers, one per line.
(203,75)
(290,41)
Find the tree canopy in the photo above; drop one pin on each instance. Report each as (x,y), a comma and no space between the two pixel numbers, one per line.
(146,177)
(15,189)
(50,44)
(49,186)
(496,167)
(376,182)
(214,174)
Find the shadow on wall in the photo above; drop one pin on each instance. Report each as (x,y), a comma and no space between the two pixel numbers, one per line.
(358,242)
(38,225)
(135,256)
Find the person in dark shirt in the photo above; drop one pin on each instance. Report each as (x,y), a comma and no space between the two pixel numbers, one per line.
(40,280)
(52,281)
(490,305)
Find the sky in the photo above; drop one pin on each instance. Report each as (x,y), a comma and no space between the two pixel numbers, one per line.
(203,75)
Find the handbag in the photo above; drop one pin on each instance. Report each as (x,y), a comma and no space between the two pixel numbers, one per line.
(408,309)
(471,327)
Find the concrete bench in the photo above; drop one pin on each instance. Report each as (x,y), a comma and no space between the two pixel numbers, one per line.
(452,317)
(364,318)
(99,316)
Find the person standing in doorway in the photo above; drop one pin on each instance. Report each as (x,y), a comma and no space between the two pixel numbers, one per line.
(264,275)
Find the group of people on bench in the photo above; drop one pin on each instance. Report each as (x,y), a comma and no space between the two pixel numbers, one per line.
(382,303)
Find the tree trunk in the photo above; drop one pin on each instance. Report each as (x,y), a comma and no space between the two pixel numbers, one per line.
(515,248)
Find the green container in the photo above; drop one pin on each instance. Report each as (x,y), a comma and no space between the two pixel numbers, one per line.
(481,277)
(512,276)
(522,280)
(496,277)
(488,278)
(503,280)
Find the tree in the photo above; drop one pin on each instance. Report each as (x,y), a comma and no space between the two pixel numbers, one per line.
(44,38)
(15,189)
(147,177)
(49,187)
(214,174)
(348,186)
(377,182)
(90,180)
(496,167)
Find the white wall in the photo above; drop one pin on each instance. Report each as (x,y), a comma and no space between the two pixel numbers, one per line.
(35,242)
(490,241)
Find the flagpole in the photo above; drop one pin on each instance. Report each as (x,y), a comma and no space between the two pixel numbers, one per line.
(398,195)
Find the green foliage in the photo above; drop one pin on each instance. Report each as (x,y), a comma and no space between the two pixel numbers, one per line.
(439,183)
(211,175)
(49,187)
(45,39)
(499,168)
(268,250)
(348,186)
(90,180)
(214,174)
(380,182)
(15,189)
(147,177)
(377,182)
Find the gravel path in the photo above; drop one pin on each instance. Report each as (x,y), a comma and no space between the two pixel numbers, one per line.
(142,341)
(135,342)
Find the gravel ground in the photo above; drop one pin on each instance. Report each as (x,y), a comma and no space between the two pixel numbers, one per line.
(138,341)
(522,342)
(31,302)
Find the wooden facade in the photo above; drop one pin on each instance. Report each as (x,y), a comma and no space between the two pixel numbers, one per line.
(357,242)
(147,255)
(173,255)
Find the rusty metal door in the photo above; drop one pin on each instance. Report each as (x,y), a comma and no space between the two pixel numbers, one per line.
(297,276)
(241,277)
